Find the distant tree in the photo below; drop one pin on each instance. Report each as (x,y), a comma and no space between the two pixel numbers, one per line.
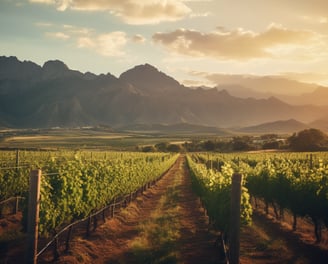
(148,149)
(243,143)
(271,145)
(269,136)
(194,145)
(239,145)
(209,145)
(174,148)
(308,140)
(162,146)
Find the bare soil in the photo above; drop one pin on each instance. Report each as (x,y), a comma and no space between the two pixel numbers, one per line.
(271,241)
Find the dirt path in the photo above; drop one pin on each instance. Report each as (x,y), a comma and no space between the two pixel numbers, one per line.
(165,225)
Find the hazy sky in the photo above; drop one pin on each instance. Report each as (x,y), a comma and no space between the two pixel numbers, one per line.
(187,39)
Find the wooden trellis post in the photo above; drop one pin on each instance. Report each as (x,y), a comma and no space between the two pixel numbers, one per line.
(234,232)
(33,216)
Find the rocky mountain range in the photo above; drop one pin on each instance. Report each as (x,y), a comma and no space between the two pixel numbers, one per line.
(317,95)
(53,95)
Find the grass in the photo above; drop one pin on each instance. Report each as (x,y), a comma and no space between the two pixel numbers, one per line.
(157,242)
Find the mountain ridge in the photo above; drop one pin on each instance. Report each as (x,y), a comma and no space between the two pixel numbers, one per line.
(54,95)
(279,126)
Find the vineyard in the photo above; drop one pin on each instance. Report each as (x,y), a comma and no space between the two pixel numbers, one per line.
(297,182)
(76,184)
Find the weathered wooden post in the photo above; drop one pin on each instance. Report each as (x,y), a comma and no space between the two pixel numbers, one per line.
(55,248)
(17,163)
(33,216)
(16,207)
(69,234)
(88,225)
(234,232)
(17,158)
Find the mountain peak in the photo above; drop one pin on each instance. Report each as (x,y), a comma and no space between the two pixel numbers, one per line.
(273,99)
(54,68)
(5,59)
(223,92)
(55,64)
(147,67)
(149,79)
(142,68)
(12,68)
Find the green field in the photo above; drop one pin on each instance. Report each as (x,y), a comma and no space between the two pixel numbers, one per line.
(102,139)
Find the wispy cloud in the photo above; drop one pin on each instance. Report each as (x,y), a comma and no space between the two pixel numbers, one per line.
(109,44)
(43,1)
(315,19)
(138,38)
(281,83)
(74,30)
(309,77)
(58,35)
(206,14)
(238,44)
(43,24)
(130,11)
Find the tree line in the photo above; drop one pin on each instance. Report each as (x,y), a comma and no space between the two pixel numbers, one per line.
(306,140)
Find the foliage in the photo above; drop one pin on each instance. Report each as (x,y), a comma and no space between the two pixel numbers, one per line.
(214,188)
(76,183)
(309,140)
(294,181)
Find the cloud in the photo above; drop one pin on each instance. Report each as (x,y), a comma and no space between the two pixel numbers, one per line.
(308,8)
(206,14)
(77,30)
(308,77)
(198,83)
(109,44)
(315,20)
(42,1)
(58,35)
(60,4)
(43,24)
(236,44)
(138,38)
(130,11)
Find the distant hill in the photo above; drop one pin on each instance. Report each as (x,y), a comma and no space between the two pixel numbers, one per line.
(321,124)
(282,126)
(176,128)
(52,95)
(318,97)
(269,85)
(289,91)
